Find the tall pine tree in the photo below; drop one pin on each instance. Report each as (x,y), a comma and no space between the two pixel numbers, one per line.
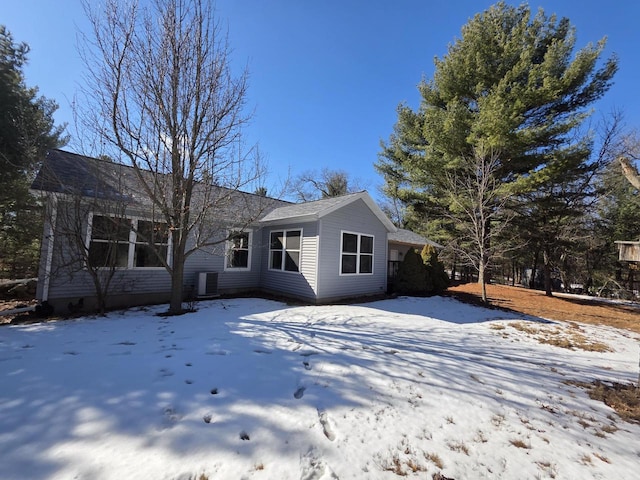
(27,130)
(512,84)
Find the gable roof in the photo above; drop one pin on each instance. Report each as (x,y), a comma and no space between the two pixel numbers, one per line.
(73,174)
(310,211)
(78,175)
(407,237)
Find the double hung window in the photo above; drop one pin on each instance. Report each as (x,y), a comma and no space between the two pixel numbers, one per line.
(238,256)
(284,250)
(127,243)
(151,244)
(356,254)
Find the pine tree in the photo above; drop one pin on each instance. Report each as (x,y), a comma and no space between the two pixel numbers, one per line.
(26,132)
(511,84)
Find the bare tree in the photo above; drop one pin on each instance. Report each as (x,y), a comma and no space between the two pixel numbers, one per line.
(163,96)
(478,202)
(88,220)
(313,185)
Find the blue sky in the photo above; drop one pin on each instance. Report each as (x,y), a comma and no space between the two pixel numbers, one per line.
(326,76)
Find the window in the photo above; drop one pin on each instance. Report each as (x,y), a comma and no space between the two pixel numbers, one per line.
(284,250)
(151,244)
(356,254)
(238,255)
(127,243)
(109,246)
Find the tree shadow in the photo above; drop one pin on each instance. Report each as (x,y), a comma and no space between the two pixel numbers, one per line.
(246,379)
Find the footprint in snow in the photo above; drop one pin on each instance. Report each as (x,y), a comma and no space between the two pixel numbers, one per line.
(326,426)
(312,467)
(307,365)
(299,393)
(170,416)
(244,435)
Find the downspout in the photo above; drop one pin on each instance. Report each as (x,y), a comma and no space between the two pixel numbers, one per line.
(318,259)
(50,244)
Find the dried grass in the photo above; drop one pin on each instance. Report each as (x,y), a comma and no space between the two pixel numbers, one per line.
(623,398)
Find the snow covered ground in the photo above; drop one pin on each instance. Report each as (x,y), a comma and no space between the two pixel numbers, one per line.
(254,389)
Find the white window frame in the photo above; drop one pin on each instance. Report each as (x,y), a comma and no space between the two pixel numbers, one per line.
(284,250)
(229,246)
(132,243)
(358,254)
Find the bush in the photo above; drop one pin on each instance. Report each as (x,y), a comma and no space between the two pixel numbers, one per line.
(412,275)
(421,274)
(436,275)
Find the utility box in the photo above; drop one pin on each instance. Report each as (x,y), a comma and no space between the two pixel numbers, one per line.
(207,284)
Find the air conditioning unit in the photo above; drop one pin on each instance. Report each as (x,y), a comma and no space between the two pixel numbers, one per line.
(207,284)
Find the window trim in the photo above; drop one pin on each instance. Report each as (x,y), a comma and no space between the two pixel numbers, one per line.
(132,242)
(228,247)
(358,253)
(284,250)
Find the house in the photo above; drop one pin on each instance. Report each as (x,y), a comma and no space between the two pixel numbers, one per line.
(317,252)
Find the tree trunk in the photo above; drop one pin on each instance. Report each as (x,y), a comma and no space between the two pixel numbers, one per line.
(630,172)
(548,291)
(453,268)
(482,282)
(534,270)
(177,278)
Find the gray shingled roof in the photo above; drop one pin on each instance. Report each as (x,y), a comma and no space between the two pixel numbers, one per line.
(69,173)
(320,208)
(73,174)
(410,238)
(309,209)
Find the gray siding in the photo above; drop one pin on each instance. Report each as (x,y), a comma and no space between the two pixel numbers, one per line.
(68,284)
(356,218)
(302,284)
(70,281)
(212,260)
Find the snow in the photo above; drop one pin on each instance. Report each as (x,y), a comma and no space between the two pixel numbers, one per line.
(256,389)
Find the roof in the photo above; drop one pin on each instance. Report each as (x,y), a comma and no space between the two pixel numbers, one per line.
(315,210)
(72,174)
(408,237)
(69,173)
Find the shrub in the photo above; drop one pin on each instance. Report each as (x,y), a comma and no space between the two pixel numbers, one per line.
(412,275)
(436,274)
(421,274)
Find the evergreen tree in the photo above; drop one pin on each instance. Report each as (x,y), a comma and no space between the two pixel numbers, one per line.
(437,278)
(617,216)
(512,84)
(412,275)
(27,130)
